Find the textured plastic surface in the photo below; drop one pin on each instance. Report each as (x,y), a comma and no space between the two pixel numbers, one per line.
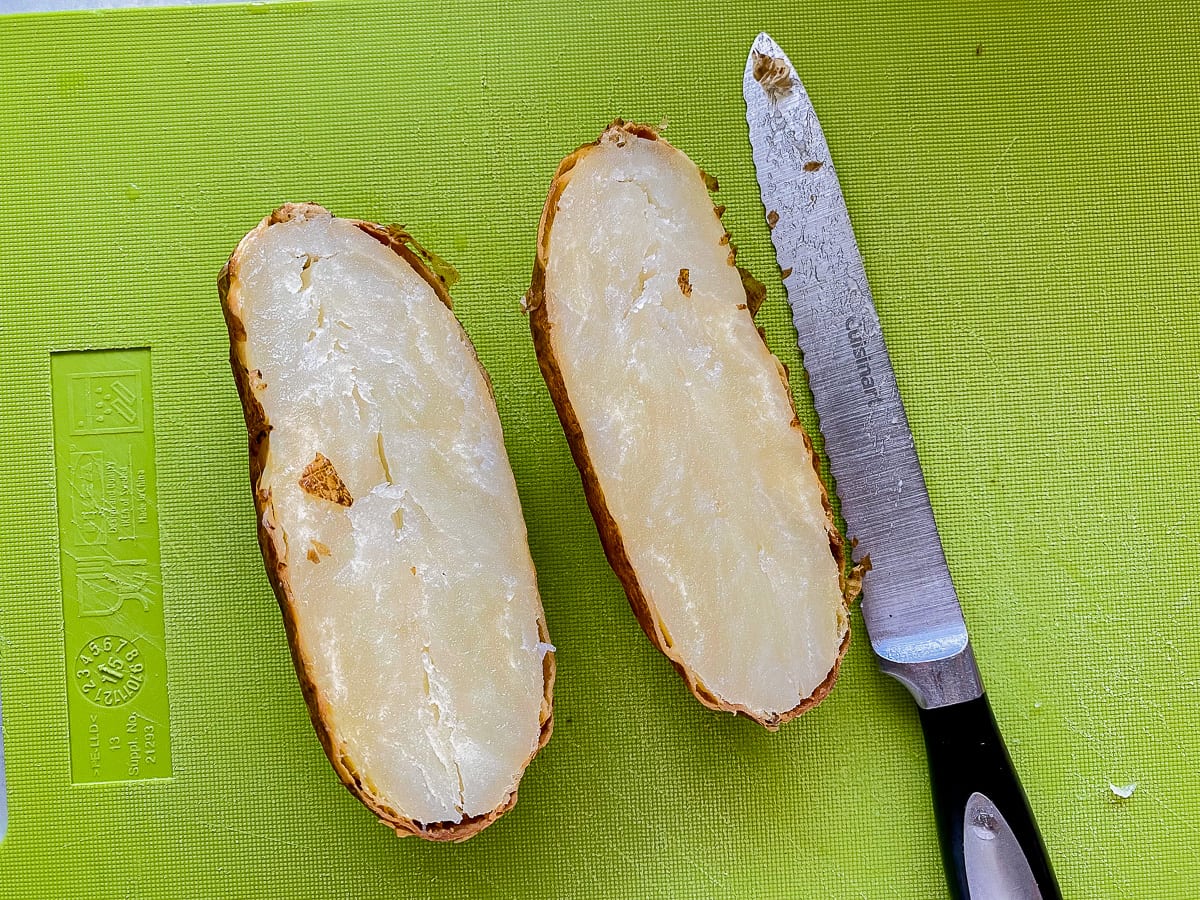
(118,715)
(1023,188)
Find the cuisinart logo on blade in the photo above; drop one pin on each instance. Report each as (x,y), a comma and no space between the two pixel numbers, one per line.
(859,345)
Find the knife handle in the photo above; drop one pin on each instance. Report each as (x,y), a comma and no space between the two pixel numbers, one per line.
(991,846)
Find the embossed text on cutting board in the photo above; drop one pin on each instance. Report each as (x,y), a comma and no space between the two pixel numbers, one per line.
(112,599)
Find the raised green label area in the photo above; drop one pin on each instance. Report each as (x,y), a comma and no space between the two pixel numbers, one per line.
(116,676)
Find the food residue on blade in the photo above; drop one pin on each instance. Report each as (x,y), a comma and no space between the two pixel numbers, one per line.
(773,74)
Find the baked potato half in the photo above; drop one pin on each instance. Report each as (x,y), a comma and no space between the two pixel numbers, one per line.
(702,482)
(389,520)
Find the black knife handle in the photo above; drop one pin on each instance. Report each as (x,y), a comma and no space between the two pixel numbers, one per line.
(976,794)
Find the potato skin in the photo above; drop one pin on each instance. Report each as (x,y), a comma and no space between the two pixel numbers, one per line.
(610,532)
(274,548)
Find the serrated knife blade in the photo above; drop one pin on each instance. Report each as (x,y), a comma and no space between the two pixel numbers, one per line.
(911,610)
(990,843)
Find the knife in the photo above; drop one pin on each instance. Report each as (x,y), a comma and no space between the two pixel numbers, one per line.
(990,842)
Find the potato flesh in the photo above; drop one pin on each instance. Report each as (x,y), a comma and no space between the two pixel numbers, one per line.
(689,427)
(419,614)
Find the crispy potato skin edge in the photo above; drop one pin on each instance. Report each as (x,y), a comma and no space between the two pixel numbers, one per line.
(610,533)
(273,542)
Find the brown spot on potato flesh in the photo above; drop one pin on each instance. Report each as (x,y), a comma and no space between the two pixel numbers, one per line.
(320,479)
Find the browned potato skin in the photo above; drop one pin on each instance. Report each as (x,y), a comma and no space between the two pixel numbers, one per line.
(610,533)
(274,547)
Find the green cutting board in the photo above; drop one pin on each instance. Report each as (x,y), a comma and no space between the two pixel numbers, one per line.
(1023,184)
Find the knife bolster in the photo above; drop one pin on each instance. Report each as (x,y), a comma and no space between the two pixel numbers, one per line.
(940,682)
